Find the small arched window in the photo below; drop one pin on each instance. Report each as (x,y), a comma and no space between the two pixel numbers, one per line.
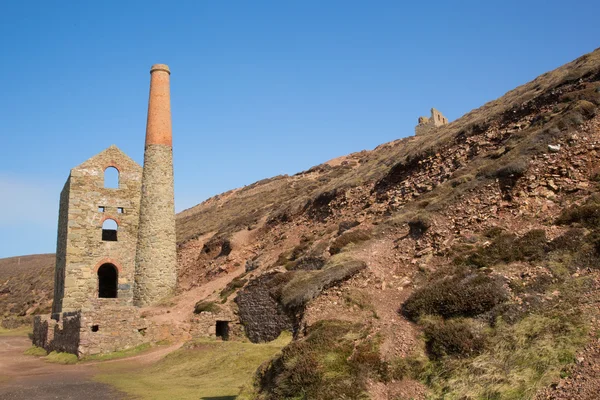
(108,278)
(111,178)
(109,230)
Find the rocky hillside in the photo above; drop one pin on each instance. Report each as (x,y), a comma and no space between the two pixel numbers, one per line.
(461,264)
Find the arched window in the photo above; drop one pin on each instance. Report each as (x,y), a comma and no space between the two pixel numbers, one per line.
(108,276)
(109,230)
(111,178)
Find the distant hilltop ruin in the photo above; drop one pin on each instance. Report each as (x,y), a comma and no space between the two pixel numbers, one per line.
(427,125)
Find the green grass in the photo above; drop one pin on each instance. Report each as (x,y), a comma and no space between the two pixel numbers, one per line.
(119,354)
(21,331)
(202,369)
(35,351)
(519,360)
(61,358)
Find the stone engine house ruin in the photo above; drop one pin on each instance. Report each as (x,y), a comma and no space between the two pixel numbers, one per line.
(116,244)
(427,125)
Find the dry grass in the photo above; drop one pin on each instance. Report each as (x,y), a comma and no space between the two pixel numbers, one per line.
(202,369)
(306,285)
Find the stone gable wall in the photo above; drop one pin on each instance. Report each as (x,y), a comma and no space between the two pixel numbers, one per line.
(83,249)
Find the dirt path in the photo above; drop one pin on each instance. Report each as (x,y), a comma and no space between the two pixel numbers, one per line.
(25,377)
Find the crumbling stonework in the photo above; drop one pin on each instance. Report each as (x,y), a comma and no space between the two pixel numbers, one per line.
(427,125)
(81,251)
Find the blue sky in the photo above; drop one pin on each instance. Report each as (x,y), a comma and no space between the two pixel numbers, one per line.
(258,88)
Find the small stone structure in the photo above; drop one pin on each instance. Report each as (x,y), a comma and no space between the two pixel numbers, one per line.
(114,255)
(427,125)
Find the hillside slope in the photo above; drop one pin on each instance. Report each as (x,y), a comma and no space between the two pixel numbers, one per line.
(458,264)
(471,210)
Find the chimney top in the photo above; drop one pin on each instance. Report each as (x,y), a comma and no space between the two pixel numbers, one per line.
(160,67)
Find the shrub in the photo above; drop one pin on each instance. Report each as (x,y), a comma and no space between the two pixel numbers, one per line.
(587,214)
(507,247)
(328,364)
(347,238)
(206,306)
(308,263)
(467,294)
(570,241)
(455,337)
(418,225)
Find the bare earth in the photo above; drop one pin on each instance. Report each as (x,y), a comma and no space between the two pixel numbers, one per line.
(27,377)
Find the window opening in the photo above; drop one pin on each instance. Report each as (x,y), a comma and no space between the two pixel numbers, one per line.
(111,178)
(109,230)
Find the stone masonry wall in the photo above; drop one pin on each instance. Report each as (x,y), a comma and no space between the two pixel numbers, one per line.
(156,260)
(84,250)
(61,248)
(262,316)
(105,328)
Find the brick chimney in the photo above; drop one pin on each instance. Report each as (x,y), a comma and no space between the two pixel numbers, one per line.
(156,257)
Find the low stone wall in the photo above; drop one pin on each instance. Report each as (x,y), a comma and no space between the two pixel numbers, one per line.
(103,329)
(205,325)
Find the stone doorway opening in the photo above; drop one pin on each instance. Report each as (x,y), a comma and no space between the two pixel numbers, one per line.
(223,330)
(108,278)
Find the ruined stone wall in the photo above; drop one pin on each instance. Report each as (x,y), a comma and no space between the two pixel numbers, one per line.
(61,248)
(104,328)
(261,315)
(205,324)
(61,336)
(156,262)
(84,249)
(428,125)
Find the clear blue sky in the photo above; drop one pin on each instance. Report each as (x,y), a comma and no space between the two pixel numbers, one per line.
(259,88)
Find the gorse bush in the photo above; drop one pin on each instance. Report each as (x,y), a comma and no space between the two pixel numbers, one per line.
(464,295)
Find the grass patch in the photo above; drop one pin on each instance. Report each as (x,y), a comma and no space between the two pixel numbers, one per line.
(202,369)
(345,239)
(61,358)
(119,354)
(518,360)
(20,331)
(306,285)
(35,351)
(334,361)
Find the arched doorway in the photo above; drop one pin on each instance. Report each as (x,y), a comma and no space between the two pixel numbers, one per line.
(108,278)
